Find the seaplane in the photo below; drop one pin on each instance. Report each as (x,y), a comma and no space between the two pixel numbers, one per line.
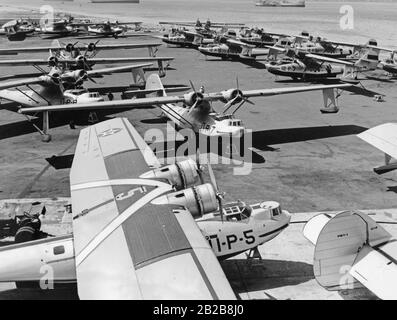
(353,251)
(197,113)
(112,29)
(186,38)
(231,49)
(304,43)
(59,86)
(169,225)
(300,66)
(17,30)
(257,37)
(367,60)
(58,28)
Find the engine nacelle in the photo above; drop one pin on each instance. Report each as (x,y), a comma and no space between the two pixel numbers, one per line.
(81,61)
(231,94)
(192,97)
(53,61)
(181,175)
(74,76)
(69,47)
(51,79)
(198,200)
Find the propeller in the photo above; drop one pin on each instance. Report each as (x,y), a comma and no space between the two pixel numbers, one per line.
(219,195)
(198,97)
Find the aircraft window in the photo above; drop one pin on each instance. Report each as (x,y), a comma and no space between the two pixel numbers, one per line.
(276,211)
(59,250)
(283,68)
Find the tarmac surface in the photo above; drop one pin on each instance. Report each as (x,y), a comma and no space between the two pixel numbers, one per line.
(307,161)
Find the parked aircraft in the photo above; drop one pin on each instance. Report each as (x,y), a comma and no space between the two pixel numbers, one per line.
(197,113)
(57,87)
(227,48)
(167,224)
(17,30)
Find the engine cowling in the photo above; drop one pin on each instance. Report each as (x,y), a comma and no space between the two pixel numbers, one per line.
(69,47)
(81,61)
(198,200)
(232,94)
(181,175)
(51,79)
(74,76)
(53,61)
(192,97)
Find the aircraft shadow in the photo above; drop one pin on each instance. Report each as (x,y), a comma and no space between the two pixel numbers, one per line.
(387,80)
(159,120)
(254,64)
(245,276)
(19,128)
(61,162)
(262,139)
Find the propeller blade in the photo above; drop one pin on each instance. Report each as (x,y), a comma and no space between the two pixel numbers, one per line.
(191,84)
(199,167)
(249,101)
(220,207)
(212,177)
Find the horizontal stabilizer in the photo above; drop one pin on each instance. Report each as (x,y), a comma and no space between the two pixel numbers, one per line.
(313,227)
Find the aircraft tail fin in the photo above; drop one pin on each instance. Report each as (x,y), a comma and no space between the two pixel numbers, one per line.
(154,84)
(339,244)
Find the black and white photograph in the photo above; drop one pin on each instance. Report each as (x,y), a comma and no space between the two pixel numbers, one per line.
(197,150)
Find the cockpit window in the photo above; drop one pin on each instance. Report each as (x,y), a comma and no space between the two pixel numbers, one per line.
(276,211)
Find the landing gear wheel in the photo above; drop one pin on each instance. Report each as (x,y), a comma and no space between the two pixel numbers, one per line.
(72,125)
(25,234)
(46,138)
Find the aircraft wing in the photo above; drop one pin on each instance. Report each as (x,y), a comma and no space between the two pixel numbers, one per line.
(120,60)
(382,137)
(117,69)
(239,43)
(142,102)
(326,59)
(30,62)
(24,62)
(127,247)
(279,91)
(381,48)
(19,83)
(376,269)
